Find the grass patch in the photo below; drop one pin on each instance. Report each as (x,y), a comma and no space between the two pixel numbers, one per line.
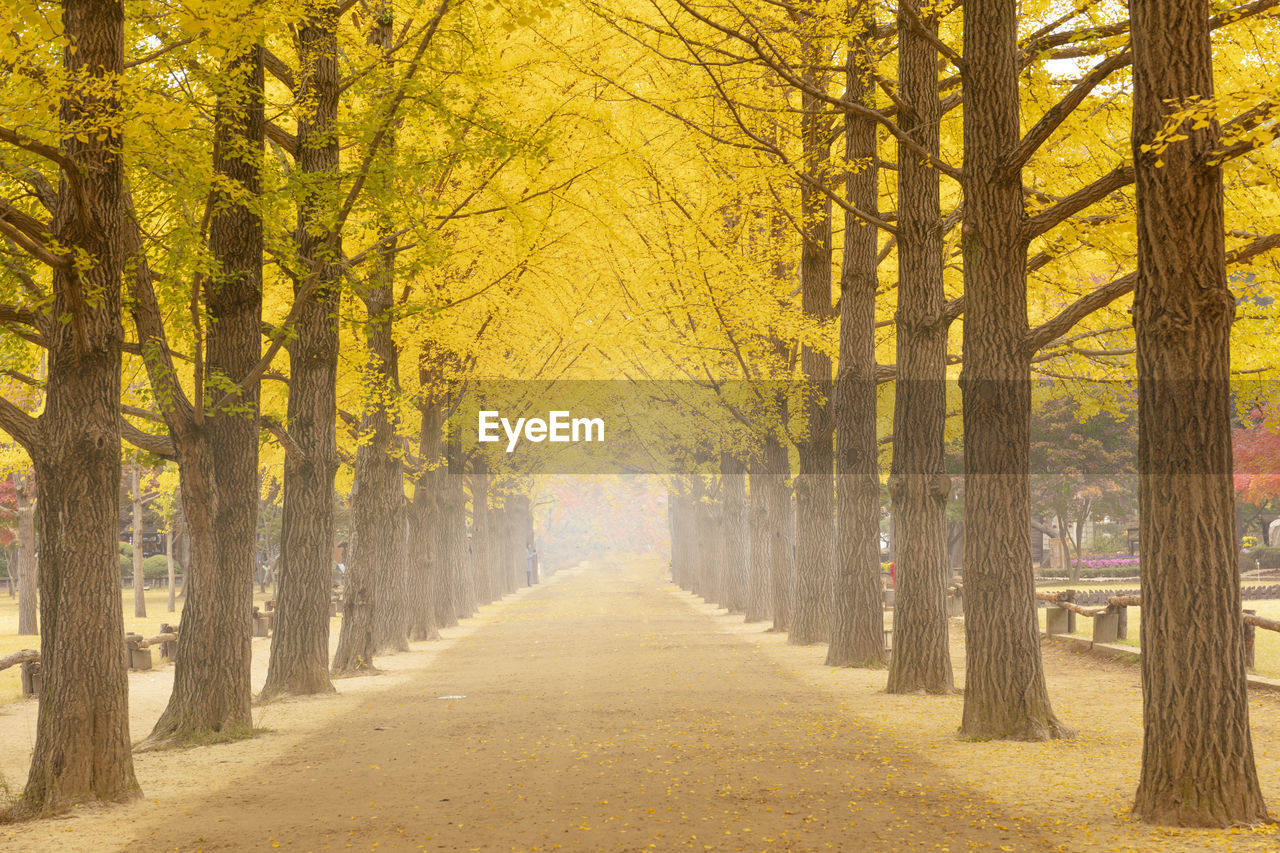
(201,737)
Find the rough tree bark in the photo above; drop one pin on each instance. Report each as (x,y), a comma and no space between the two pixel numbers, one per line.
(1197,754)
(217,447)
(75,447)
(711,541)
(430,594)
(781,530)
(300,642)
(391,615)
(735,535)
(857,626)
(24,565)
(171,604)
(521,539)
(509,566)
(1005,694)
(495,545)
(918,483)
(439,576)
(810,617)
(454,529)
(696,525)
(481,540)
(679,510)
(759,599)
(374,613)
(135,550)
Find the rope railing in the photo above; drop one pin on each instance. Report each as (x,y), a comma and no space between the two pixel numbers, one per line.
(137,656)
(1111,623)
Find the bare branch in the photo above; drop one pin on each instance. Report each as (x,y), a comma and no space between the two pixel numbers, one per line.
(1116,179)
(1058,113)
(23,428)
(1044,334)
(158,445)
(279,69)
(291,448)
(282,137)
(68,166)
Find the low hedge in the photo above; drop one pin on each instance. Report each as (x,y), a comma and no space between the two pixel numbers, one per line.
(155,566)
(1086,572)
(1265,558)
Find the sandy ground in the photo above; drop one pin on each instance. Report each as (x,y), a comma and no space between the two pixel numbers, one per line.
(606,710)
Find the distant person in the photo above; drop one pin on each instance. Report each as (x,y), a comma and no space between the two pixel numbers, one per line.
(530,563)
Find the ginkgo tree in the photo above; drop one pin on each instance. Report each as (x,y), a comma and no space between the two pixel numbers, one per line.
(294,247)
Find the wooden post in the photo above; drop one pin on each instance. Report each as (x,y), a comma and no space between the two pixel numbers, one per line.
(1070,596)
(1122,627)
(1249,632)
(1106,626)
(169,649)
(1057,620)
(30,676)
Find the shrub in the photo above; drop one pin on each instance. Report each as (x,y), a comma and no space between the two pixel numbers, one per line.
(1122,561)
(154,566)
(1266,558)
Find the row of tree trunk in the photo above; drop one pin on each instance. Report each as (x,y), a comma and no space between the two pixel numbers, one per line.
(1198,766)
(213,433)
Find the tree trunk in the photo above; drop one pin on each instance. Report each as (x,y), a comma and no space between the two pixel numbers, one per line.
(356,643)
(75,446)
(24,563)
(815,489)
(1064,543)
(734,531)
(711,541)
(526,562)
(1005,694)
(431,600)
(759,598)
(507,566)
(481,540)
(168,562)
(441,577)
(857,629)
(374,617)
(1197,754)
(139,593)
(454,529)
(391,616)
(918,483)
(495,547)
(678,510)
(781,530)
(426,566)
(300,641)
(218,448)
(184,551)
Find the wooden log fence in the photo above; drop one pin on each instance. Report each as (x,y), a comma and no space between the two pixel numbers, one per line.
(137,656)
(1111,623)
(19,657)
(1096,597)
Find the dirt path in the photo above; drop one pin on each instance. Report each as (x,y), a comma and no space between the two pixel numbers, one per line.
(602,711)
